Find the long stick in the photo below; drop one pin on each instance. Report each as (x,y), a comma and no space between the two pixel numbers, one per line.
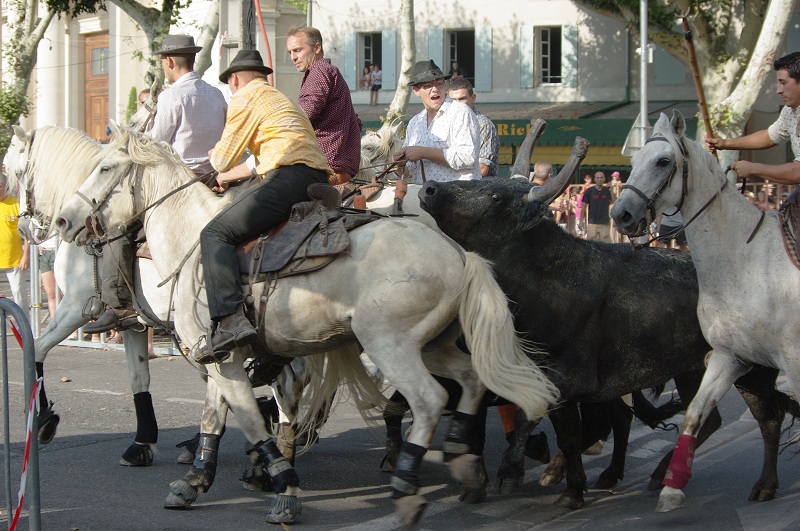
(698,83)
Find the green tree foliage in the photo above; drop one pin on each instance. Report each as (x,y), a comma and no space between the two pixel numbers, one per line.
(133,104)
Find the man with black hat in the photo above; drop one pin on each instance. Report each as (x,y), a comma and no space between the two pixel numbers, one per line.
(442,141)
(190,116)
(288,159)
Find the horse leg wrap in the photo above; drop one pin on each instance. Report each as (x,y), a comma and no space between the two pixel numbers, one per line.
(43,405)
(405,481)
(204,469)
(146,425)
(680,467)
(280,470)
(459,437)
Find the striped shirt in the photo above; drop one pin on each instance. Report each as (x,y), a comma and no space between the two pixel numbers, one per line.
(490,144)
(787,129)
(263,120)
(454,130)
(190,116)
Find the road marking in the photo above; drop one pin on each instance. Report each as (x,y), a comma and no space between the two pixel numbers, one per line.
(185,400)
(99,392)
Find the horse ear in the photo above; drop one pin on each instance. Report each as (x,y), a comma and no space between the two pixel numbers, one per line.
(678,123)
(20,133)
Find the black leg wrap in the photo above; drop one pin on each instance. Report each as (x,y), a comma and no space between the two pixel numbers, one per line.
(405,481)
(280,470)
(204,469)
(146,425)
(460,436)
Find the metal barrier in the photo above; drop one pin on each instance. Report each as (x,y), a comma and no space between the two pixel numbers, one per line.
(9,308)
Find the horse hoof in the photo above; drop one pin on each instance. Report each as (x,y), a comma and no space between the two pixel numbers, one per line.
(761,495)
(507,485)
(466,469)
(605,483)
(550,477)
(386,464)
(568,501)
(409,509)
(472,496)
(284,509)
(181,495)
(48,424)
(670,499)
(137,455)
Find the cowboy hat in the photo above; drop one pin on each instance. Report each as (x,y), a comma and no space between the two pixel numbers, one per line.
(178,44)
(426,71)
(245,60)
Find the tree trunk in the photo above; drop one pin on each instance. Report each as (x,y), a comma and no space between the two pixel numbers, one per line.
(408,52)
(207,37)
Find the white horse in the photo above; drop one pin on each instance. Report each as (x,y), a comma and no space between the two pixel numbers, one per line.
(48,165)
(743,269)
(396,309)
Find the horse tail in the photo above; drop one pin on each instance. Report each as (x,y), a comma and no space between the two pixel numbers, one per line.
(324,374)
(498,355)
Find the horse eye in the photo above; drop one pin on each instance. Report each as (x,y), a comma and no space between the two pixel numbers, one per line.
(663,162)
(495,197)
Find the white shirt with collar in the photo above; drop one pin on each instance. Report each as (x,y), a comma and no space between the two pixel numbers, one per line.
(454,129)
(190,116)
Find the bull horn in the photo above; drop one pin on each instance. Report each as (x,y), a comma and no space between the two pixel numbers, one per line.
(522,165)
(555,187)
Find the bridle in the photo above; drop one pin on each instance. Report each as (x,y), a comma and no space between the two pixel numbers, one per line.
(651,201)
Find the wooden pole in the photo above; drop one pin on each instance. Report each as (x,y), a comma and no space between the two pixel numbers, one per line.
(698,83)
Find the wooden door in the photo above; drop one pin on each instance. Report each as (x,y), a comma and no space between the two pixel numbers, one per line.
(96,77)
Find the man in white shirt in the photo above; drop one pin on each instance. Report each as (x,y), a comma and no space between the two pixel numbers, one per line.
(442,141)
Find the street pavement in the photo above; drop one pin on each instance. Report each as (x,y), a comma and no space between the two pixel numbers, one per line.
(84,488)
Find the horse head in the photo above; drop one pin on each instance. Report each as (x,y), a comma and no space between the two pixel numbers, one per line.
(101,202)
(377,148)
(658,179)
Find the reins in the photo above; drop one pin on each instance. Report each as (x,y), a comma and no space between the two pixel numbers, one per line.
(650,202)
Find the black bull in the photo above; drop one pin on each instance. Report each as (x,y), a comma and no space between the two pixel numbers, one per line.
(613,319)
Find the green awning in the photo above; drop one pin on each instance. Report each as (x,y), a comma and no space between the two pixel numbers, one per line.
(599,131)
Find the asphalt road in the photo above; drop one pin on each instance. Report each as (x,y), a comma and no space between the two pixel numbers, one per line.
(83,487)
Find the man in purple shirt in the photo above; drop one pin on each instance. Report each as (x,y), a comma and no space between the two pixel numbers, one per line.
(325,98)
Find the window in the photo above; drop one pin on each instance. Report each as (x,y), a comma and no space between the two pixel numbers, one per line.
(461,50)
(549,56)
(371,49)
(100,61)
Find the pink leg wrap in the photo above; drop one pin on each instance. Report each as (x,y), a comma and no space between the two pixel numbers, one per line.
(680,467)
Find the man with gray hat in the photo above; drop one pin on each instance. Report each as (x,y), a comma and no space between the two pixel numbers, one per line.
(288,159)
(442,141)
(190,115)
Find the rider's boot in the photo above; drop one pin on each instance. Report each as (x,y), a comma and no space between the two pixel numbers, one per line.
(233,330)
(119,318)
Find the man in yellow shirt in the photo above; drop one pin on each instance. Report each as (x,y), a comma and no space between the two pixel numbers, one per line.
(13,249)
(288,159)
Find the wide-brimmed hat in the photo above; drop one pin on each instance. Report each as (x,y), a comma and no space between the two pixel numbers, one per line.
(425,71)
(178,44)
(245,60)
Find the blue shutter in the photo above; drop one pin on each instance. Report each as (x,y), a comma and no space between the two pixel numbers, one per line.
(436,47)
(667,69)
(569,56)
(793,34)
(389,59)
(526,50)
(483,59)
(349,70)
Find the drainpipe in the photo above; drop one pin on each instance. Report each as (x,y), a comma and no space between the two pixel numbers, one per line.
(627,99)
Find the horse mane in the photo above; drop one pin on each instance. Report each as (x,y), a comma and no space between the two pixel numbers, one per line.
(376,147)
(61,159)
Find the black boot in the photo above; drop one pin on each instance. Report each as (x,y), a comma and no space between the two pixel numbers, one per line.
(233,331)
(119,318)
